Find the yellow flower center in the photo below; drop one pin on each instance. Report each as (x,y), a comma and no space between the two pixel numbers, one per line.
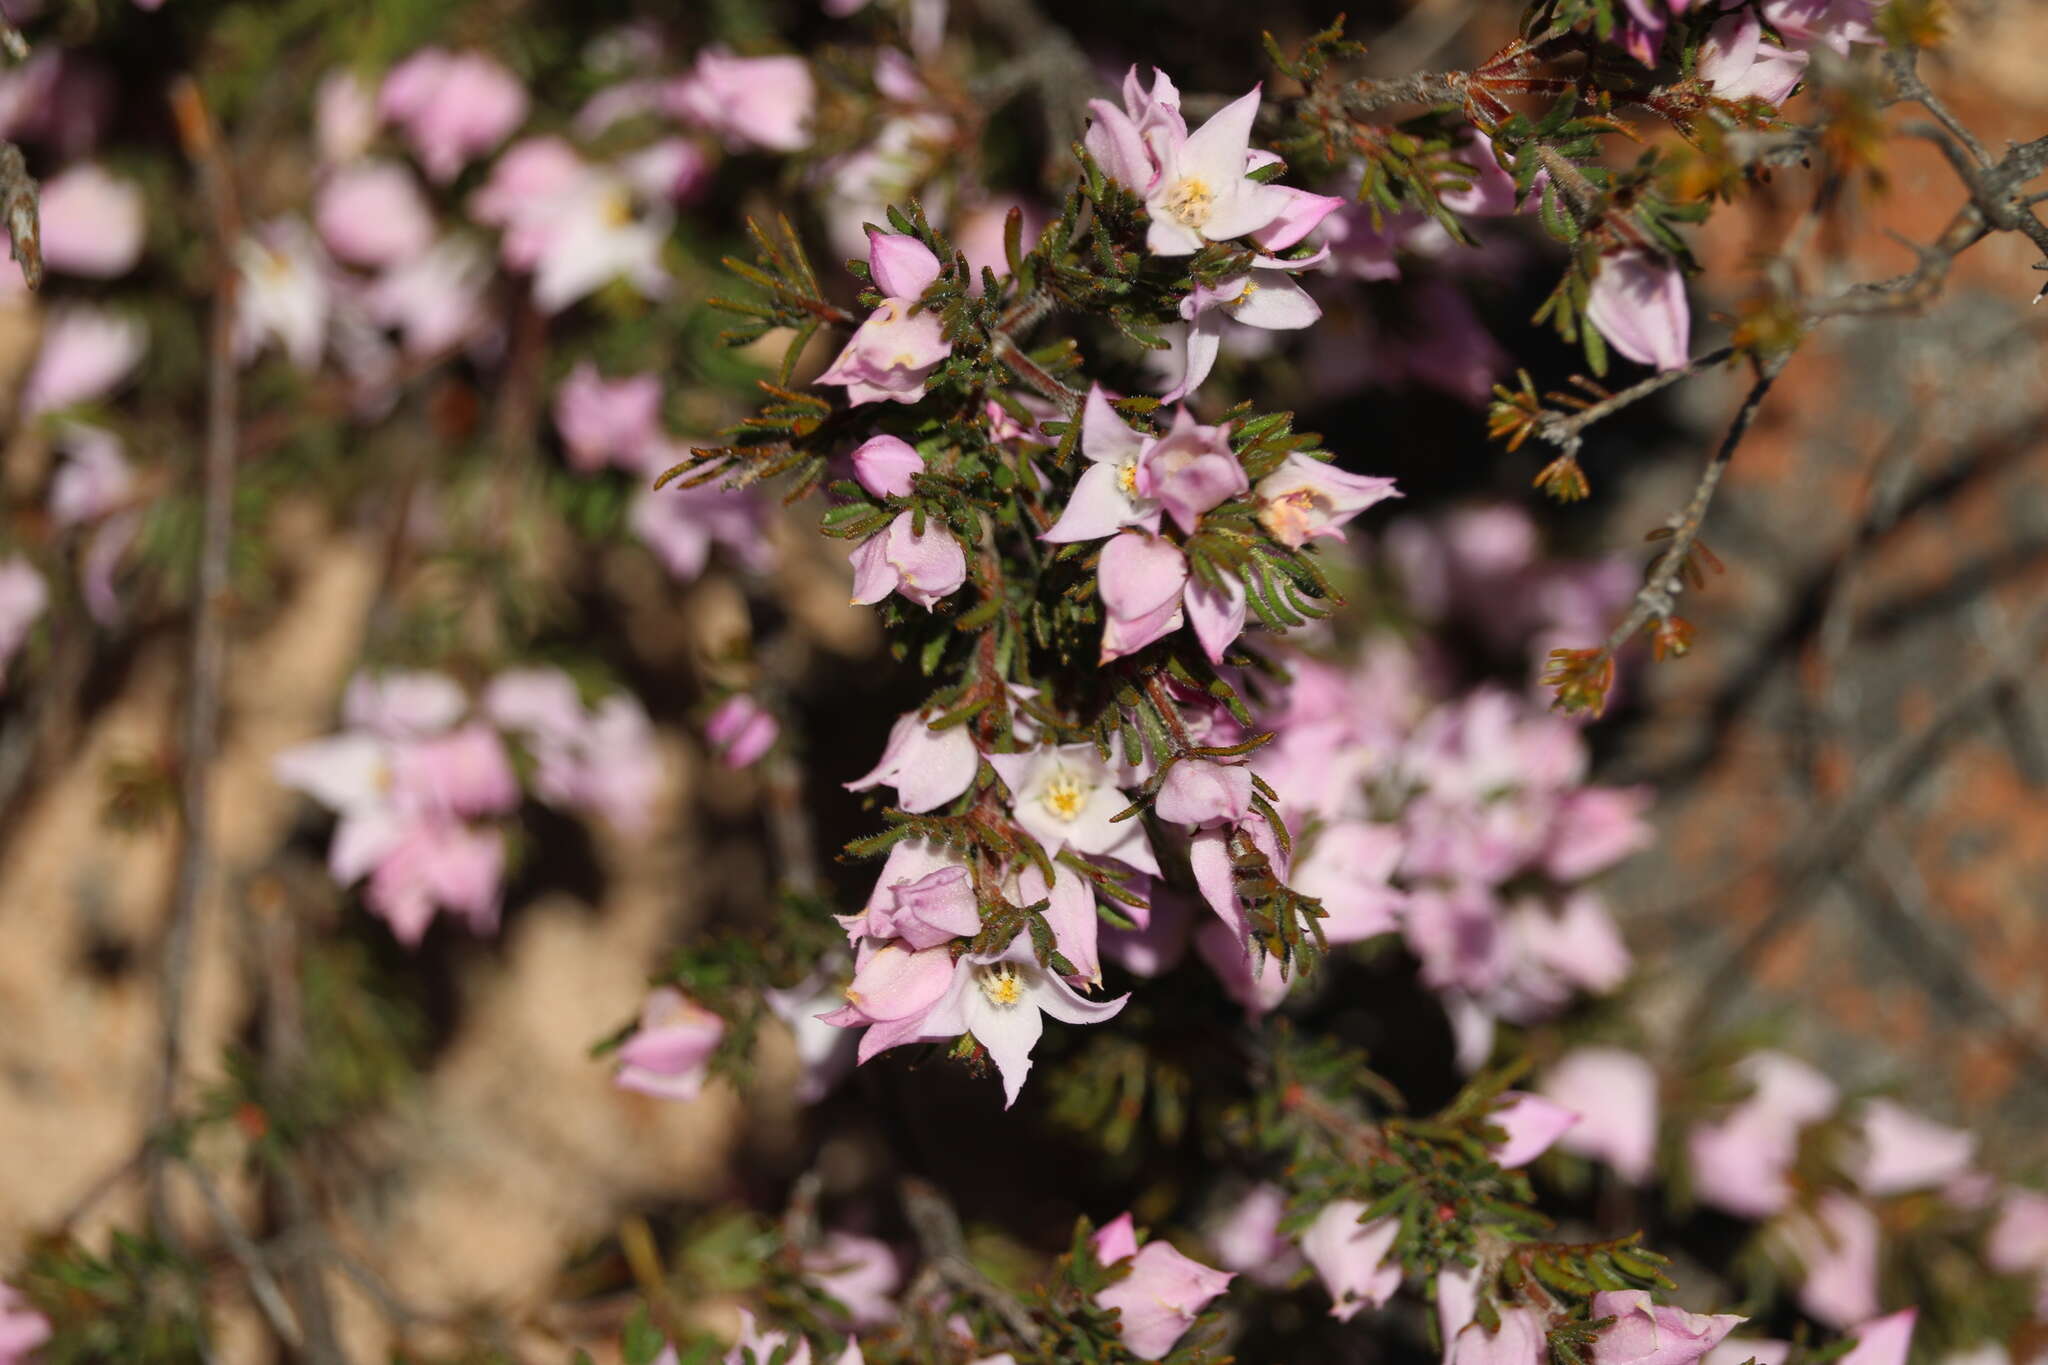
(1189,202)
(1065,795)
(617,210)
(1292,517)
(1000,984)
(1127,478)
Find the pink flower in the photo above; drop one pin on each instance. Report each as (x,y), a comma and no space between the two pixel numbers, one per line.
(435,299)
(1106,497)
(1350,1257)
(924,568)
(1350,869)
(1638,303)
(372,213)
(1247,1237)
(1834,24)
(892,353)
(92,223)
(437,864)
(859,1272)
(933,910)
(1492,192)
(399,704)
(22,1328)
(1646,1333)
(1902,1151)
(1203,193)
(95,478)
(2019,1238)
(85,353)
(1270,302)
(464,773)
(1615,1095)
(1200,793)
(1521,1340)
(523,196)
(885,465)
(1305,498)
(1161,1296)
(750,102)
(607,421)
(669,1055)
(453,106)
(741,730)
(1128,142)
(1531,1123)
(673,169)
(1740,1162)
(1740,1350)
(1885,1341)
(681,525)
(1190,470)
(1246,975)
(1139,579)
(927,767)
(894,992)
(1067,797)
(1595,828)
(344,117)
(594,233)
(1836,1246)
(23,598)
(1739,65)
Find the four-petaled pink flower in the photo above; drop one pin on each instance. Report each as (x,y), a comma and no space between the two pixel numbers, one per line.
(1147,594)
(668,1056)
(892,353)
(924,568)
(1203,193)
(1162,1295)
(1000,998)
(1067,797)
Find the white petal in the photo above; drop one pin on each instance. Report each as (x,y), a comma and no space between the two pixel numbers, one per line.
(1097,507)
(1009,1032)
(1278,305)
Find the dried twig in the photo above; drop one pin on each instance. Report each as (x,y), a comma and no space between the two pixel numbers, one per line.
(263,1286)
(937,1228)
(205,659)
(19,208)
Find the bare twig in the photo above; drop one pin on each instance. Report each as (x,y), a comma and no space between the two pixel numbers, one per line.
(1842,831)
(263,1286)
(208,640)
(19,208)
(937,1228)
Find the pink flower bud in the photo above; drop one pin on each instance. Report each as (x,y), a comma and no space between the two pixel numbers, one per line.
(1139,579)
(1199,792)
(884,465)
(935,909)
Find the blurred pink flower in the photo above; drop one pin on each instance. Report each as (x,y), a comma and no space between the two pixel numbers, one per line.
(92,223)
(1531,1122)
(23,597)
(1247,1237)
(452,106)
(372,213)
(1251,979)
(1884,1341)
(682,524)
(94,479)
(438,864)
(1739,65)
(86,352)
(750,102)
(22,1327)
(436,299)
(668,1055)
(344,117)
(1901,1151)
(741,730)
(860,1272)
(1351,1257)
(607,421)
(1614,1094)
(286,293)
(1836,1248)
(1520,1340)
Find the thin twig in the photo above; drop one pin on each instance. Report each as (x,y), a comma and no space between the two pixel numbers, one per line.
(263,1286)
(208,640)
(937,1228)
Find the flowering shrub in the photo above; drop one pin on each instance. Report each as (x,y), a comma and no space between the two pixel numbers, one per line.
(1241,753)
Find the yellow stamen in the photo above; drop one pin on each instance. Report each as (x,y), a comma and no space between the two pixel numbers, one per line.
(1189,202)
(1000,984)
(1065,795)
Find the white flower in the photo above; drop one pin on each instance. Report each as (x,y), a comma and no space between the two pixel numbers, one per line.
(1203,194)
(1000,1000)
(1067,797)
